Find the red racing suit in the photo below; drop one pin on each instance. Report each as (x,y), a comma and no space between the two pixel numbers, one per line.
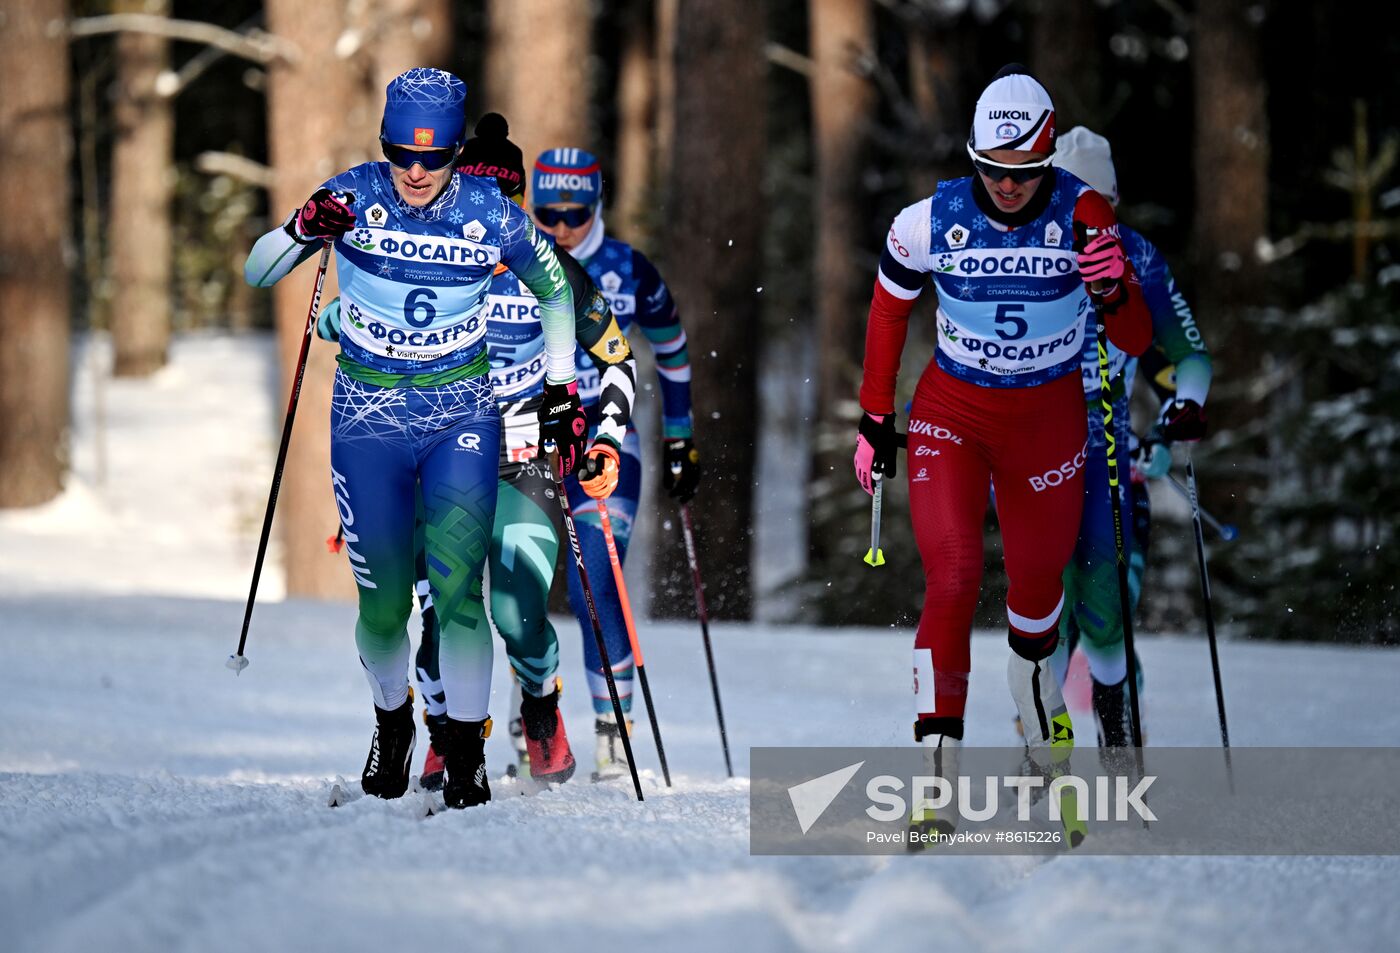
(1001,405)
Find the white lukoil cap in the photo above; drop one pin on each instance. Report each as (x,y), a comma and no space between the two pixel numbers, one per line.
(1088,156)
(1014,112)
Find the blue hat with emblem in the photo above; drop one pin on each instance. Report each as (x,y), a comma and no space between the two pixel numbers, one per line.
(567,176)
(425,107)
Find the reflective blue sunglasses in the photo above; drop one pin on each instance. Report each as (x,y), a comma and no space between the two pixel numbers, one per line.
(430,159)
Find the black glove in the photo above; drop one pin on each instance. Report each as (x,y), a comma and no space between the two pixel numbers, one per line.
(323,216)
(681,471)
(562,424)
(1153,457)
(1183,420)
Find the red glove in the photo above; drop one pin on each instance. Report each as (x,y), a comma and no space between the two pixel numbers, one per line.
(1184,420)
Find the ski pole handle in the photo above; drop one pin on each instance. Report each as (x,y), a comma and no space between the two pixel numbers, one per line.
(1085,234)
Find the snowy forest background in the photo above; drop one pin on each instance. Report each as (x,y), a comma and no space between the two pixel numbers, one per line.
(757,152)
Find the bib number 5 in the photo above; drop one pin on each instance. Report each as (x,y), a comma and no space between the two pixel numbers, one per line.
(1011,314)
(416,308)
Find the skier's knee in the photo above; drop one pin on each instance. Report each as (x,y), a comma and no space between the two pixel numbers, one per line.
(385,621)
(1033,648)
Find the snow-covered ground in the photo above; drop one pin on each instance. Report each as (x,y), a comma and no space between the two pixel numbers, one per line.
(151,800)
(168,482)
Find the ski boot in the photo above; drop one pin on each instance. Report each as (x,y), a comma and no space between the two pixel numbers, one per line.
(516,728)
(941,738)
(611,756)
(1114,719)
(390,751)
(549,757)
(1048,730)
(431,778)
(464,753)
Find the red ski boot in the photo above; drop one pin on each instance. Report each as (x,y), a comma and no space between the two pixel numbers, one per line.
(551,761)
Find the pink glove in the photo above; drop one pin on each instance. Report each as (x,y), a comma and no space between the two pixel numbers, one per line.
(563,425)
(877,447)
(1102,262)
(324,216)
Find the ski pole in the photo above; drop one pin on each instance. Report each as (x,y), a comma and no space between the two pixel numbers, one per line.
(1210,614)
(1115,496)
(632,634)
(552,453)
(875,556)
(700,610)
(238,661)
(1227,531)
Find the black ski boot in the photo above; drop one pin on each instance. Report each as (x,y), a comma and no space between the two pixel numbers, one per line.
(1113,715)
(1114,719)
(390,751)
(464,751)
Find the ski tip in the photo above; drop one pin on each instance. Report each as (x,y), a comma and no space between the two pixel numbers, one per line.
(874,557)
(431,803)
(237,663)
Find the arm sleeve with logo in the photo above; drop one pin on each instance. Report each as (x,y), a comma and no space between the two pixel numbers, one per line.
(660,321)
(597,332)
(904,267)
(275,255)
(1174,328)
(527,254)
(1126,317)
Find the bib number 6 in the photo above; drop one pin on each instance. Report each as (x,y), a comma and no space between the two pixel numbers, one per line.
(1011,314)
(416,308)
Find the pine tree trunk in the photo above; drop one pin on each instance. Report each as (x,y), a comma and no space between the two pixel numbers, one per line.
(630,216)
(1232,155)
(843,103)
(409,33)
(1066,55)
(143,177)
(436,22)
(938,92)
(714,260)
(318,125)
(538,72)
(666,28)
(35,144)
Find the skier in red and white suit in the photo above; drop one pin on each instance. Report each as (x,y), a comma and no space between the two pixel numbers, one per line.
(1002,400)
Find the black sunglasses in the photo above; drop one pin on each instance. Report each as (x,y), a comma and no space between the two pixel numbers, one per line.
(1020,174)
(572,217)
(430,159)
